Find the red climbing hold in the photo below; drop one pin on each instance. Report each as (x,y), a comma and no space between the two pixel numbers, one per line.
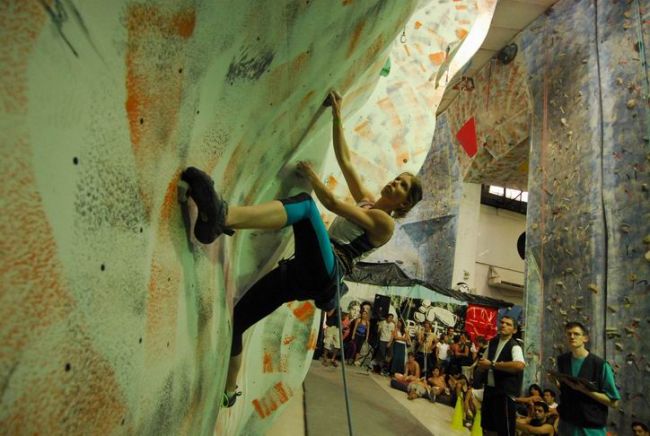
(467,137)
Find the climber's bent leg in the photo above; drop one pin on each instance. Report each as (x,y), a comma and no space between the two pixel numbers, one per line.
(269,215)
(312,244)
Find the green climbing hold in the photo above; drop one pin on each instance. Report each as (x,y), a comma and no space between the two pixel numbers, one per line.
(385,71)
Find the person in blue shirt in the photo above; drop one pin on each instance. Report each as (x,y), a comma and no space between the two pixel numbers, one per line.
(583,411)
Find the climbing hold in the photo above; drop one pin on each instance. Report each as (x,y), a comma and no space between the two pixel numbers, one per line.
(631,103)
(619,346)
(625,228)
(593,288)
(385,71)
(611,309)
(619,81)
(564,122)
(647,256)
(646,240)
(508,53)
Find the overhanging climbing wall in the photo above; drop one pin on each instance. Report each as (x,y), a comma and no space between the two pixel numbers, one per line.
(111,319)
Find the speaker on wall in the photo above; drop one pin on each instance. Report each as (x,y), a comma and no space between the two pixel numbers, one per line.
(381,306)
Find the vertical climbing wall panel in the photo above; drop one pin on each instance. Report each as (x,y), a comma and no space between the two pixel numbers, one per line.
(578,90)
(588,205)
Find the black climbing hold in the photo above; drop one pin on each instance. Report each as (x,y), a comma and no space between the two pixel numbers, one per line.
(67,367)
(140,341)
(102,267)
(141,120)
(508,53)
(75,160)
(180,70)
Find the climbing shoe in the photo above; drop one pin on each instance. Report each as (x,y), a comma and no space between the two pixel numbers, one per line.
(213,210)
(229,399)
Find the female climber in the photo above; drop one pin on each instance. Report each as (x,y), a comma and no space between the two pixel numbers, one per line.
(321,259)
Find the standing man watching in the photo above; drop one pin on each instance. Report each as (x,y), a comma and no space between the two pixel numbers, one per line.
(583,411)
(386,328)
(504,361)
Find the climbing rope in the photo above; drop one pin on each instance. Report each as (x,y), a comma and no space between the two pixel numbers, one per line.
(345,381)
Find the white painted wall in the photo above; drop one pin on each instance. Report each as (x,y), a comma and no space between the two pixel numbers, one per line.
(486,236)
(467,237)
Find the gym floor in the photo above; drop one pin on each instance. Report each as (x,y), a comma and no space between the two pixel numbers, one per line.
(376,408)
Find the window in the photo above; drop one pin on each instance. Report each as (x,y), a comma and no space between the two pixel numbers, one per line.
(504,198)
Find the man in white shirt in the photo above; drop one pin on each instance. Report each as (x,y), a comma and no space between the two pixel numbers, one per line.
(442,352)
(385,329)
(504,362)
(549,398)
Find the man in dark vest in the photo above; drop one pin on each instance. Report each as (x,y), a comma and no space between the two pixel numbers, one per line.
(504,362)
(583,411)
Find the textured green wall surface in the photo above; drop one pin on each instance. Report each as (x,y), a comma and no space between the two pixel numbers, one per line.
(113,319)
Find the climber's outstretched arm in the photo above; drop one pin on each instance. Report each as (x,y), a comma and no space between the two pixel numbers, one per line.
(355,185)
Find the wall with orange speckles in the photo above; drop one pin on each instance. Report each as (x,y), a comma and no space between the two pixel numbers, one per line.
(113,319)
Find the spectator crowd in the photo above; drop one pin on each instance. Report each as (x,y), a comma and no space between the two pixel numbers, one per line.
(447,368)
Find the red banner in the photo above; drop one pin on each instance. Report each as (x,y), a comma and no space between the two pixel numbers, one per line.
(481,321)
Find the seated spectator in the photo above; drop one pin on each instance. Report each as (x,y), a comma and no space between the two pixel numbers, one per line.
(412,372)
(459,386)
(418,389)
(438,383)
(542,422)
(525,404)
(640,429)
(471,404)
(549,398)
